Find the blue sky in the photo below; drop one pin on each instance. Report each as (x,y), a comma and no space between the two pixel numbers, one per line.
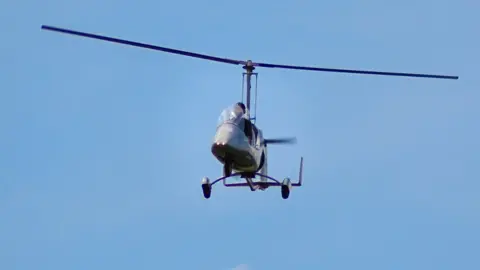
(103,146)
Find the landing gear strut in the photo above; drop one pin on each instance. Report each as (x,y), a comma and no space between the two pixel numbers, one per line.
(227,169)
(267,181)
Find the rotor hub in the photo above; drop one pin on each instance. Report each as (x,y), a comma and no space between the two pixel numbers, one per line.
(249,66)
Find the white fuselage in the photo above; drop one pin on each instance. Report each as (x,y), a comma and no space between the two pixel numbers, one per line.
(231,144)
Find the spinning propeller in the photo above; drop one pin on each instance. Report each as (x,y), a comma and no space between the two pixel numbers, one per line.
(280,141)
(247,63)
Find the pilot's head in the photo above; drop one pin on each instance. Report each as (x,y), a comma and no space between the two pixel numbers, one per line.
(241,105)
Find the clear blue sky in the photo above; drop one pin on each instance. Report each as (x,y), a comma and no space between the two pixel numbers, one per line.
(103,146)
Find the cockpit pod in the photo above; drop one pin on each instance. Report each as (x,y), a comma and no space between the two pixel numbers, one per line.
(233,114)
(230,139)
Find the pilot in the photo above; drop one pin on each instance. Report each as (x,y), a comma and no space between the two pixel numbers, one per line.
(242,106)
(248,124)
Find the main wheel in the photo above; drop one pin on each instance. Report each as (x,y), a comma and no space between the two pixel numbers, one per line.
(285,191)
(206,188)
(286,185)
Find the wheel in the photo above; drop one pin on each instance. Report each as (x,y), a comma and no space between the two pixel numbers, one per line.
(206,188)
(227,169)
(285,191)
(286,185)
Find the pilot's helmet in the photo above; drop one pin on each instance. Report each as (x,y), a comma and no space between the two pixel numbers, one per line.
(242,106)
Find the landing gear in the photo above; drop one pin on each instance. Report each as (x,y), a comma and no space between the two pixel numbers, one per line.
(265,182)
(286,186)
(227,169)
(206,187)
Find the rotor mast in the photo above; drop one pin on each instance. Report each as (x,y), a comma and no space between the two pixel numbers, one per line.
(249,68)
(249,71)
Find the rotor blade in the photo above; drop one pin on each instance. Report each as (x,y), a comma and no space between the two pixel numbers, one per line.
(357,71)
(143,45)
(281,141)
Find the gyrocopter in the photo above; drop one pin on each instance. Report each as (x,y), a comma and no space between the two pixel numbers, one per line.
(238,143)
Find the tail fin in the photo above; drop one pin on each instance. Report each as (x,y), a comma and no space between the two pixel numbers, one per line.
(300,174)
